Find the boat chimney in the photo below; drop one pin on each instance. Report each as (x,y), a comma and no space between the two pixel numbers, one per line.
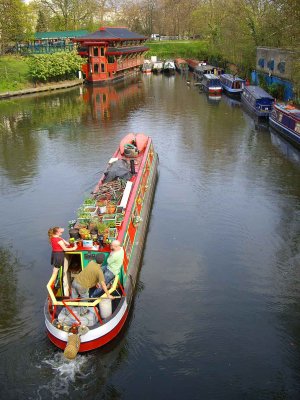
(132,167)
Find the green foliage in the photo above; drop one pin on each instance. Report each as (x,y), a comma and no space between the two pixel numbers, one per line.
(54,67)
(184,49)
(276,90)
(14,73)
(14,23)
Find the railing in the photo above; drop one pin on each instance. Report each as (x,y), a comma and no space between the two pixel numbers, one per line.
(44,49)
(86,302)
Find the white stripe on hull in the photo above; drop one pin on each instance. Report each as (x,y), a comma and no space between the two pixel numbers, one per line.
(93,333)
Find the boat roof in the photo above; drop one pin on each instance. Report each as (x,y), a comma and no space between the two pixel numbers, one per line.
(211,76)
(204,67)
(232,77)
(112,33)
(287,108)
(59,34)
(258,93)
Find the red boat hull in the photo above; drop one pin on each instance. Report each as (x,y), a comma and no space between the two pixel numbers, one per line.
(93,344)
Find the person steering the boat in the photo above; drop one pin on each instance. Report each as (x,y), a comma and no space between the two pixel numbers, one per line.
(114,265)
(59,246)
(90,277)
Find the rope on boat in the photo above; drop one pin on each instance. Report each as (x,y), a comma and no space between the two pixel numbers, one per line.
(73,344)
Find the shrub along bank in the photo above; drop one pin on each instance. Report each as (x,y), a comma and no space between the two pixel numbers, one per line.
(19,73)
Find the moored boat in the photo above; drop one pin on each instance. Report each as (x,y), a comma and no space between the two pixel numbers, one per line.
(169,67)
(204,68)
(232,84)
(211,84)
(181,65)
(147,67)
(157,66)
(119,208)
(193,63)
(257,101)
(286,120)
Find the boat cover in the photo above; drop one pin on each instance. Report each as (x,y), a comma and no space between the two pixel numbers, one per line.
(89,319)
(118,169)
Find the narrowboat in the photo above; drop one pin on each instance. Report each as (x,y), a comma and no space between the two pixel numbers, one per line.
(121,203)
(169,67)
(211,84)
(147,67)
(232,84)
(257,101)
(204,68)
(192,63)
(181,65)
(157,66)
(286,120)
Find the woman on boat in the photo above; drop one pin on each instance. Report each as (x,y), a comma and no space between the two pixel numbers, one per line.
(59,246)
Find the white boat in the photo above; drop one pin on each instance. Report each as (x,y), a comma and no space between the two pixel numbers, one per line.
(147,67)
(157,66)
(169,67)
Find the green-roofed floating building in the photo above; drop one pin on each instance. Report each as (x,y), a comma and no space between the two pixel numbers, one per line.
(51,42)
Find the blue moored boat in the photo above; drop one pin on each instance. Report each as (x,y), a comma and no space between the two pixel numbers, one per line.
(232,84)
(257,101)
(286,120)
(211,84)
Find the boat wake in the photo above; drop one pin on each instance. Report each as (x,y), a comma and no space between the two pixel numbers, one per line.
(65,373)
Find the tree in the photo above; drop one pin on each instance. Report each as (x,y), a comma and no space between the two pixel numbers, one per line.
(14,23)
(43,23)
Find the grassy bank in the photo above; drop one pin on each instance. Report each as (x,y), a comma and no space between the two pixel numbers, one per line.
(19,73)
(173,49)
(14,73)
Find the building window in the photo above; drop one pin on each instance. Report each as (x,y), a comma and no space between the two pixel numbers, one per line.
(261,62)
(96,68)
(271,65)
(111,59)
(96,51)
(102,67)
(281,67)
(102,51)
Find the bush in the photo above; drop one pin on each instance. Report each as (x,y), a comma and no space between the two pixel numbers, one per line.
(54,67)
(276,90)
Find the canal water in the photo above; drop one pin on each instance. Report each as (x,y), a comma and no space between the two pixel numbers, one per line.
(217,309)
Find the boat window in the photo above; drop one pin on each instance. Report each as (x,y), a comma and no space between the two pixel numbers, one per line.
(102,51)
(111,59)
(96,68)
(102,67)
(96,51)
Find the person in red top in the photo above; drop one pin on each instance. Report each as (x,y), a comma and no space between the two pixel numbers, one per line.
(59,246)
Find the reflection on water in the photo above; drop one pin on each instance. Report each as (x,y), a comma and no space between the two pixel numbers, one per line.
(109,102)
(217,309)
(286,148)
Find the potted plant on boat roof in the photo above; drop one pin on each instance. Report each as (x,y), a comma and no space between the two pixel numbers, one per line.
(89,201)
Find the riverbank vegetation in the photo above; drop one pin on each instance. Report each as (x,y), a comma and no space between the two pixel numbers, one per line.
(19,73)
(14,72)
(176,48)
